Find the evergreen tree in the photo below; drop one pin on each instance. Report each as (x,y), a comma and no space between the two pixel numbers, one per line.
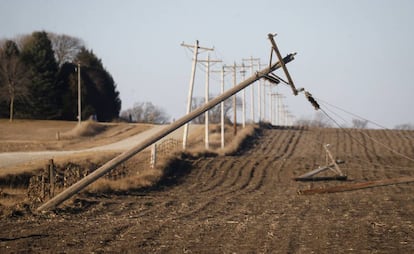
(98,89)
(46,92)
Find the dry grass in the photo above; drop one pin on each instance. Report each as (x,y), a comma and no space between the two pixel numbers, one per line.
(147,178)
(150,177)
(35,166)
(29,130)
(143,176)
(238,141)
(85,129)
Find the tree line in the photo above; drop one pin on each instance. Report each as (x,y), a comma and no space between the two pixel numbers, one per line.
(39,79)
(147,112)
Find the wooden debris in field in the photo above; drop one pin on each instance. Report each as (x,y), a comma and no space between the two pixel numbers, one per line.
(333,166)
(357,186)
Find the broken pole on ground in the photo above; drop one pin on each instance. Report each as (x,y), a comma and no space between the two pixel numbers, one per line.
(310,176)
(357,186)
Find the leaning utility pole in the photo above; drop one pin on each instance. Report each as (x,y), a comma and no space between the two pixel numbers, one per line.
(206,121)
(195,47)
(108,166)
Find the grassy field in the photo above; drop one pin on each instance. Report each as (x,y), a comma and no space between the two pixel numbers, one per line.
(39,135)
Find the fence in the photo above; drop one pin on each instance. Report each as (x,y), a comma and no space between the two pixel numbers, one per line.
(163,149)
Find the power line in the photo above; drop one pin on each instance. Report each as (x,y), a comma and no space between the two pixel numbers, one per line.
(366,135)
(355,115)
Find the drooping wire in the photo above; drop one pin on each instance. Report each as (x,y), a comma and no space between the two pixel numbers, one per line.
(366,135)
(337,115)
(350,113)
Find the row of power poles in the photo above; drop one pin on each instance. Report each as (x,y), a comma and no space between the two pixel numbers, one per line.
(264,89)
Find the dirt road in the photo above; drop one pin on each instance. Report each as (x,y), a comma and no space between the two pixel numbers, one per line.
(246,203)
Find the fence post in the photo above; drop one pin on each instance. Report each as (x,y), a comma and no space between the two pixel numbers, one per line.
(42,187)
(51,178)
(153,155)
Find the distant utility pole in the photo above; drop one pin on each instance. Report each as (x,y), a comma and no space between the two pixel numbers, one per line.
(79,95)
(222,72)
(243,75)
(262,97)
(234,70)
(206,121)
(195,48)
(222,108)
(279,108)
(270,85)
(251,65)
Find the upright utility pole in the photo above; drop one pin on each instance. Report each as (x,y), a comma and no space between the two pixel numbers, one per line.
(279,108)
(251,65)
(222,72)
(206,119)
(234,101)
(243,75)
(206,138)
(79,95)
(234,70)
(195,47)
(261,97)
(222,108)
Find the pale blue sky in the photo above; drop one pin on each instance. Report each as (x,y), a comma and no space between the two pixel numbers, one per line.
(356,54)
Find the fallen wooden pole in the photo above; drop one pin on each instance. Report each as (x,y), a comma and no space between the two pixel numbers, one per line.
(357,186)
(95,175)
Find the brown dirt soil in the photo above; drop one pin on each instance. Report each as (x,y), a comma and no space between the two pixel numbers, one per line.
(245,203)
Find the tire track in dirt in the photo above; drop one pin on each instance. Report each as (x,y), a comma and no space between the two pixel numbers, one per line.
(249,178)
(405,144)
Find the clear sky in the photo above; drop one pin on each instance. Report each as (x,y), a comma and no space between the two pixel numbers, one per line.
(355,54)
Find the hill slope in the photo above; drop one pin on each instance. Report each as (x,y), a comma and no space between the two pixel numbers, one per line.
(247,203)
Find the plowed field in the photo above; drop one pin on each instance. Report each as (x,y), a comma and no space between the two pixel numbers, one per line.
(247,203)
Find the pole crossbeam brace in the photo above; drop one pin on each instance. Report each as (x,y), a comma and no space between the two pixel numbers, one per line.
(279,56)
(95,175)
(199,47)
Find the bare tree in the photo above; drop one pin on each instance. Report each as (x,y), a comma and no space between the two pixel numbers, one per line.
(215,113)
(359,124)
(14,76)
(145,112)
(65,47)
(319,121)
(405,126)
